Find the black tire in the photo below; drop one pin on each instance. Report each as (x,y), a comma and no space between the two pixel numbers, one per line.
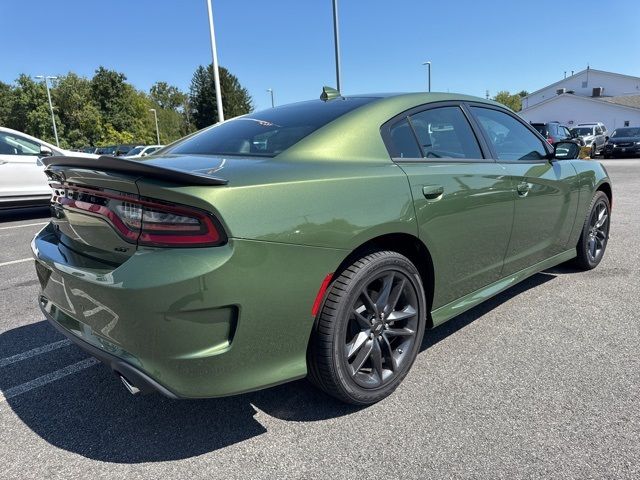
(368,308)
(593,151)
(595,233)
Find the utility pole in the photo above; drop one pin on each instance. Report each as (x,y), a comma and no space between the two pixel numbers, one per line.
(155,114)
(214,54)
(270,90)
(336,41)
(53,117)
(428,64)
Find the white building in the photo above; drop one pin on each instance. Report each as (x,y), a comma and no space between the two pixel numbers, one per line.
(588,96)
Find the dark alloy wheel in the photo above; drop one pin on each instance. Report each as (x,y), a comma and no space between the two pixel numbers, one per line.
(595,233)
(369,330)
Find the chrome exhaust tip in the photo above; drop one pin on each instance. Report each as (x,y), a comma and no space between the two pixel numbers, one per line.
(132,389)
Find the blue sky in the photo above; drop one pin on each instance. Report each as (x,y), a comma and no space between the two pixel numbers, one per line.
(288,45)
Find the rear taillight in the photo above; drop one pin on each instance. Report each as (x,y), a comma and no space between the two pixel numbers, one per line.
(550,140)
(145,221)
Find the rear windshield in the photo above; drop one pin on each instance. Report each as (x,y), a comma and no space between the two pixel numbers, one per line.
(540,127)
(269,132)
(135,151)
(626,132)
(582,131)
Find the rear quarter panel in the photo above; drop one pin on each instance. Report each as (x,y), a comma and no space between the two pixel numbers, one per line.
(591,175)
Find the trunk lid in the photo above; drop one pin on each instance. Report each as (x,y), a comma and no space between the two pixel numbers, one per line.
(98,211)
(79,195)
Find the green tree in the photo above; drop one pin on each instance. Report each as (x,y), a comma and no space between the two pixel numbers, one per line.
(172,106)
(78,113)
(6,103)
(235,98)
(167,96)
(30,110)
(514,102)
(120,104)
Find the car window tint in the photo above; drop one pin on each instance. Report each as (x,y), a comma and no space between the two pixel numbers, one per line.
(15,145)
(511,140)
(445,133)
(269,132)
(404,144)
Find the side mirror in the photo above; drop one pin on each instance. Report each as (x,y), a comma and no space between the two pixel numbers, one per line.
(566,150)
(45,151)
(144,154)
(606,139)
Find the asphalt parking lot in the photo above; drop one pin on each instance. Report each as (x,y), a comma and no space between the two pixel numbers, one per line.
(541,382)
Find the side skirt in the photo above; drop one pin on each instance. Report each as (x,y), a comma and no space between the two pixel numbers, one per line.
(447,312)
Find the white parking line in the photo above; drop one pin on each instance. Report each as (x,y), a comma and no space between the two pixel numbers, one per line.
(16,261)
(25,225)
(48,378)
(33,352)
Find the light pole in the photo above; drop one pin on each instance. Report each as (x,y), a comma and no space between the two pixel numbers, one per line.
(428,64)
(336,41)
(214,54)
(270,90)
(155,115)
(53,117)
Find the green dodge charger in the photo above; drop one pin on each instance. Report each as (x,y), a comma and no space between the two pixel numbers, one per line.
(316,239)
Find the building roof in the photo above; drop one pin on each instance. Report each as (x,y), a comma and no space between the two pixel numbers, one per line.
(632,101)
(624,101)
(580,73)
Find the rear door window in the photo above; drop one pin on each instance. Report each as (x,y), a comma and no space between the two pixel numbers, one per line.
(403,141)
(445,133)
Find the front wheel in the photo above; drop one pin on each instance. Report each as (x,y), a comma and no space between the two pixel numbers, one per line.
(595,233)
(369,330)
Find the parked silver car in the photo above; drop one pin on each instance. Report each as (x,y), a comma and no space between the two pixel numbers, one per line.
(592,135)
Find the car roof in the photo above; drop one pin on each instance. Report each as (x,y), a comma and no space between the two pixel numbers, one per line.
(31,137)
(367,119)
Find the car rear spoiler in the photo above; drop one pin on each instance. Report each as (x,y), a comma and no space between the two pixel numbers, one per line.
(133,167)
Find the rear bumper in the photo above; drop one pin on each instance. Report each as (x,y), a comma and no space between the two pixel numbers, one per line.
(189,322)
(629,151)
(135,376)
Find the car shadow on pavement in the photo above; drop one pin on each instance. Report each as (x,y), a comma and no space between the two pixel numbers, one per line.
(91,414)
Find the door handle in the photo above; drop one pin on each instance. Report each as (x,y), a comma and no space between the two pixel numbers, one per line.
(523,189)
(433,192)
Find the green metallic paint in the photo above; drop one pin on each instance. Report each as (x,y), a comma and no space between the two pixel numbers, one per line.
(447,312)
(543,219)
(216,321)
(464,229)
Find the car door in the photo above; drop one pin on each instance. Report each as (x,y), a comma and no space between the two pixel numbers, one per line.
(21,173)
(462,198)
(599,138)
(545,191)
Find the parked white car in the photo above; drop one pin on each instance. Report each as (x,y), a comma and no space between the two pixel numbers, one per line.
(142,151)
(22,179)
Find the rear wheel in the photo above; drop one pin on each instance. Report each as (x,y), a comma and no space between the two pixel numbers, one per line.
(595,233)
(369,330)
